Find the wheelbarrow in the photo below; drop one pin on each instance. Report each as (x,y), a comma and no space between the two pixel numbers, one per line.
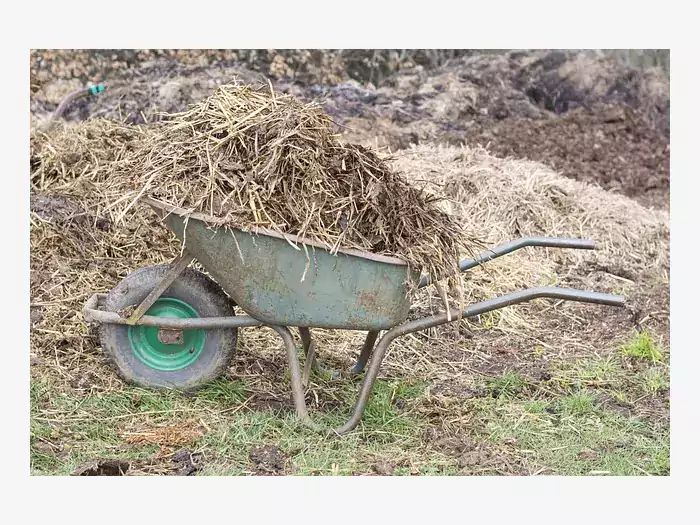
(171,326)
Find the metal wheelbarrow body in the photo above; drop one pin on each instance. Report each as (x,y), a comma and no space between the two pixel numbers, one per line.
(286,281)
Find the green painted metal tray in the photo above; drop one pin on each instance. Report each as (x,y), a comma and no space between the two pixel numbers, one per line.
(291,281)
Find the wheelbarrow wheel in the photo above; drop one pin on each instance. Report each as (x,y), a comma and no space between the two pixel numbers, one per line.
(153,358)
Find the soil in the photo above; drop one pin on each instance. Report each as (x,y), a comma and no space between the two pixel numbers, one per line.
(104,467)
(608,145)
(182,463)
(584,116)
(269,460)
(185,463)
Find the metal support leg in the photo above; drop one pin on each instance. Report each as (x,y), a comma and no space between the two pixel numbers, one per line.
(365,353)
(177,267)
(311,361)
(415,326)
(370,378)
(295,374)
(298,389)
(310,351)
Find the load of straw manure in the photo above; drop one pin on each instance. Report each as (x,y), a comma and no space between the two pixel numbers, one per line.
(252,158)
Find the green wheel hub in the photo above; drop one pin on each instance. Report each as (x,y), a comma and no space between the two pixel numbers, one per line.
(151,351)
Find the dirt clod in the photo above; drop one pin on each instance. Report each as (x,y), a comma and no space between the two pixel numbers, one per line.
(269,460)
(384,468)
(185,462)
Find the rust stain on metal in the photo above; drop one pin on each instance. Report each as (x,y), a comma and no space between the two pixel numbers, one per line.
(168,336)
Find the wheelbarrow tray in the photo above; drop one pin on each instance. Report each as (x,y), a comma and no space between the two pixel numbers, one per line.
(291,281)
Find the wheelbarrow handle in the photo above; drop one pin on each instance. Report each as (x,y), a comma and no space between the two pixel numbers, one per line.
(509,247)
(442,318)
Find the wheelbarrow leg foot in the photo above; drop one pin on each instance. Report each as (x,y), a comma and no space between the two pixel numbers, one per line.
(370,378)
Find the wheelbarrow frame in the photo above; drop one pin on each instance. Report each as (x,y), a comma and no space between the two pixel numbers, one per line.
(371,353)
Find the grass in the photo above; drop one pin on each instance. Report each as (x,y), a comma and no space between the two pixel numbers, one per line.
(570,424)
(642,346)
(594,412)
(655,380)
(594,415)
(95,425)
(571,436)
(508,385)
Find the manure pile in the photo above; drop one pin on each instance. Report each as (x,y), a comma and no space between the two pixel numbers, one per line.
(505,198)
(250,158)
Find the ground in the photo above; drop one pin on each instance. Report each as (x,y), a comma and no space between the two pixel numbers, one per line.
(543,388)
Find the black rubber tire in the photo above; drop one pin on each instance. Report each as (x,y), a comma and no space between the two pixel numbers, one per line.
(200,292)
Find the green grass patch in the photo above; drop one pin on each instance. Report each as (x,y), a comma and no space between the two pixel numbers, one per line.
(655,380)
(567,425)
(386,431)
(536,407)
(572,376)
(68,431)
(642,346)
(508,385)
(574,437)
(223,391)
(578,404)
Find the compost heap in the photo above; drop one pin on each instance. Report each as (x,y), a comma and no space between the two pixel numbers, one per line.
(251,158)
(74,159)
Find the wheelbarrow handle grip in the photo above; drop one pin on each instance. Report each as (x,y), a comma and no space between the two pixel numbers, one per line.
(509,247)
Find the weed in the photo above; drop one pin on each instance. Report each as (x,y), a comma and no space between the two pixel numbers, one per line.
(490,319)
(578,404)
(642,346)
(620,396)
(536,407)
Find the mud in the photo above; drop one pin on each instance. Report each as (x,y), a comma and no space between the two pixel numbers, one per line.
(185,463)
(608,145)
